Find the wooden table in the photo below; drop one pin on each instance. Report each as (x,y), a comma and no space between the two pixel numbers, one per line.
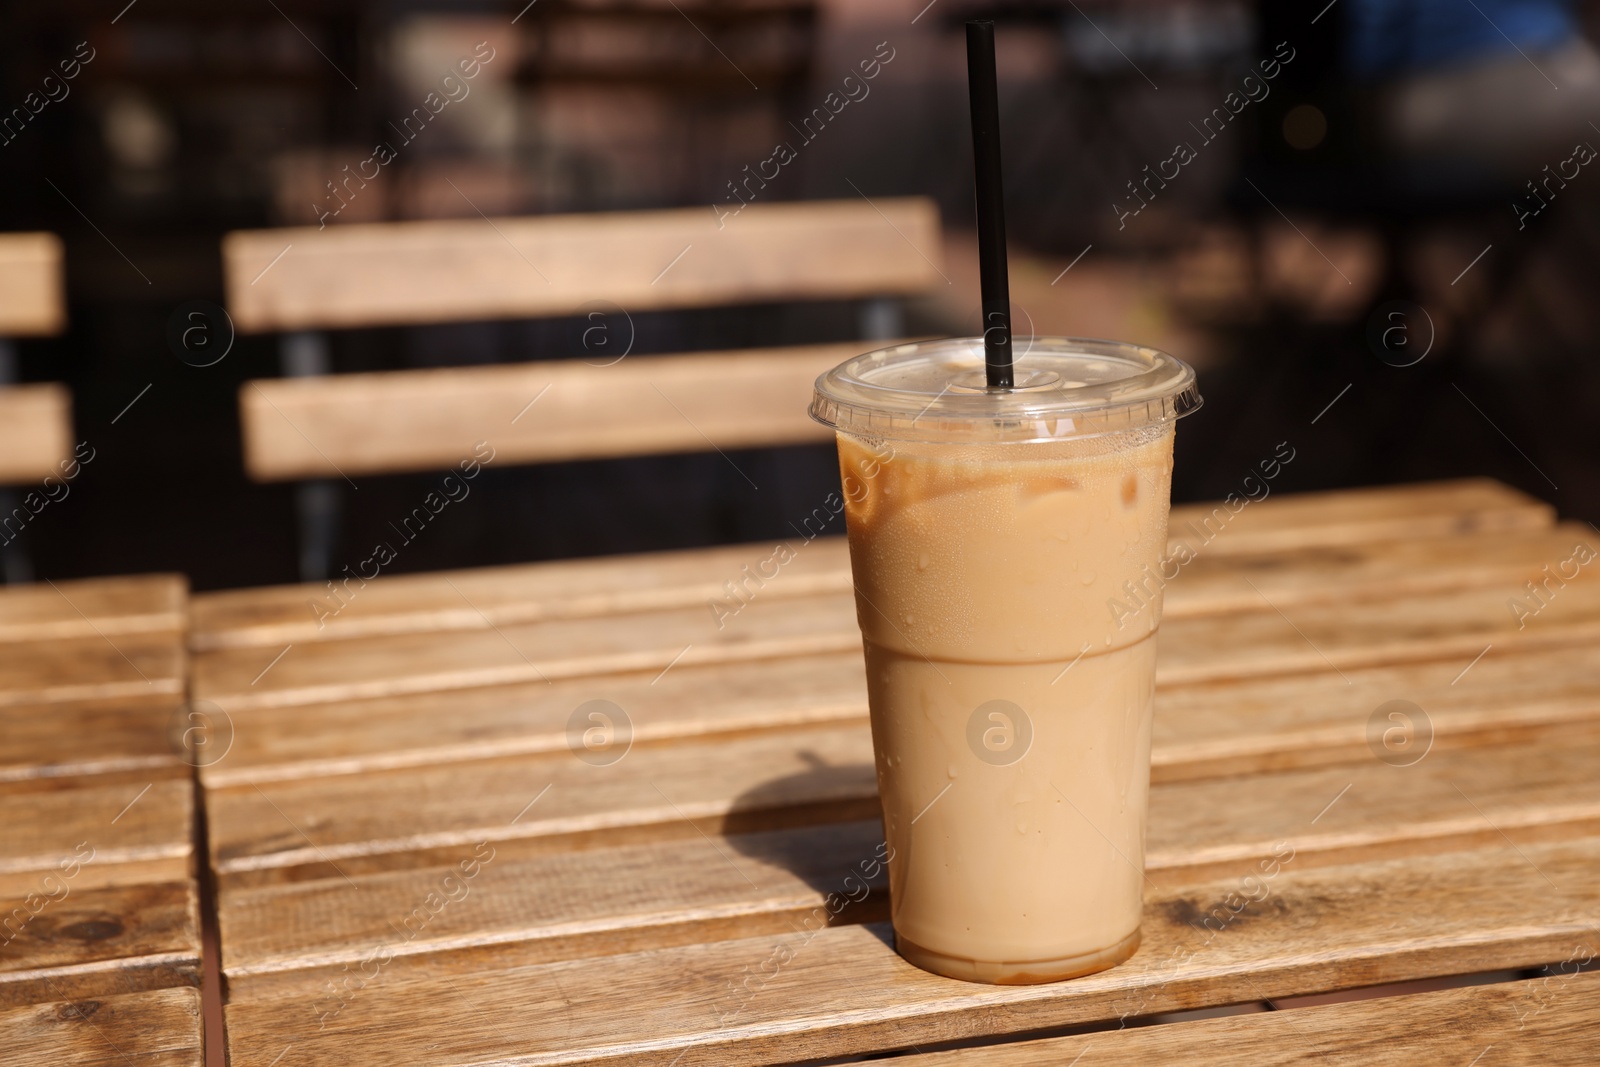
(100,926)
(418,860)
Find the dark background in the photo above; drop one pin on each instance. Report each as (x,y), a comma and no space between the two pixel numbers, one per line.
(196,118)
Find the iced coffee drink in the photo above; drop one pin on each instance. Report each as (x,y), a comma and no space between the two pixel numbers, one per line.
(990,533)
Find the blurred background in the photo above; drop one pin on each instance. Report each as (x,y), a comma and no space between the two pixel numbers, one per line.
(1379,245)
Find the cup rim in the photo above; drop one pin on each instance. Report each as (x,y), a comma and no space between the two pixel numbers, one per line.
(1066,387)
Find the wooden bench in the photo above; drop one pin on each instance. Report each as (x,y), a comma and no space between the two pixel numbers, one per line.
(35,420)
(99,899)
(413,861)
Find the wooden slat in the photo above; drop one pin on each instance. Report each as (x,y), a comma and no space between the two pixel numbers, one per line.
(35,439)
(49,817)
(97,864)
(349,425)
(1375,529)
(32,297)
(1441,627)
(1200,731)
(589,902)
(88,640)
(1350,516)
(92,607)
(143,935)
(449,271)
(481,598)
(536,651)
(1270,640)
(307,741)
(1546,1021)
(280,824)
(1266,724)
(92,668)
(535,905)
(160,1028)
(294,821)
(101,868)
(843,990)
(140,731)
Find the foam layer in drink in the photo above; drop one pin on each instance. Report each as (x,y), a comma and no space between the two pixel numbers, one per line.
(1010,709)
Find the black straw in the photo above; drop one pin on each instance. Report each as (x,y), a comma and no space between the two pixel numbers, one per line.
(985,100)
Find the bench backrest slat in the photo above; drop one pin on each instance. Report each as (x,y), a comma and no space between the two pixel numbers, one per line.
(351,424)
(32,300)
(388,274)
(35,431)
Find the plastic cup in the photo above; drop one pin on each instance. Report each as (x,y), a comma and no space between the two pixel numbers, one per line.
(996,537)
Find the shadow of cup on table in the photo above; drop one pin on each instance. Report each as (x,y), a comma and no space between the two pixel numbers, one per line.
(825,827)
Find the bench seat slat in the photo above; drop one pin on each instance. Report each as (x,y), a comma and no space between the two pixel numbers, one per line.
(1549,1020)
(1270,640)
(1384,539)
(537,901)
(157,1028)
(842,990)
(1200,731)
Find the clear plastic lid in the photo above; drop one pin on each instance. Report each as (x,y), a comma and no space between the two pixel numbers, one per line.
(1065,387)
